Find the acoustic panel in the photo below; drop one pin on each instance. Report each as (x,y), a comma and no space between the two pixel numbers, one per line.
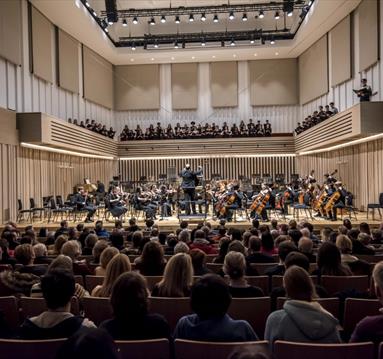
(368,34)
(224,84)
(68,61)
(137,87)
(184,86)
(313,71)
(98,78)
(10,30)
(340,50)
(274,82)
(42,46)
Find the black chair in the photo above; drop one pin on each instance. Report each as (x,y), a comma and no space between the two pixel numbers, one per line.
(349,207)
(32,205)
(56,211)
(21,212)
(377,206)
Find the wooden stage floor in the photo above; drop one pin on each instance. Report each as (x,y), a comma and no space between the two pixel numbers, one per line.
(172,223)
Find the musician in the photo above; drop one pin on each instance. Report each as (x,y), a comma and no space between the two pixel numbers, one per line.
(365,92)
(338,203)
(142,202)
(242,128)
(188,185)
(100,191)
(333,109)
(82,201)
(258,129)
(225,130)
(159,131)
(139,135)
(234,130)
(164,202)
(265,190)
(169,131)
(236,197)
(267,128)
(251,127)
(116,208)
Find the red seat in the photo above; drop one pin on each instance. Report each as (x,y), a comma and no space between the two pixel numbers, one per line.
(189,349)
(335,284)
(290,350)
(144,349)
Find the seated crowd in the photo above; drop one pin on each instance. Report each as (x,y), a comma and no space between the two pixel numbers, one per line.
(197,131)
(92,125)
(317,117)
(44,265)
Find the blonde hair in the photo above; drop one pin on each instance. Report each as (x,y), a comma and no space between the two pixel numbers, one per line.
(71,249)
(377,275)
(106,256)
(234,265)
(178,276)
(344,244)
(119,264)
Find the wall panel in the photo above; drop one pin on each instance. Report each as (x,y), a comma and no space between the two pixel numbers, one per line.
(224,84)
(184,86)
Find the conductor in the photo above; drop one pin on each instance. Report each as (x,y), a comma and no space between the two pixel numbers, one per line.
(188,185)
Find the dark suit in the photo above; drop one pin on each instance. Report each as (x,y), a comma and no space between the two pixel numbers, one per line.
(81,203)
(188,186)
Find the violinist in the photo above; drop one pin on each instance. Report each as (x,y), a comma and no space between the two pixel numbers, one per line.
(142,203)
(164,202)
(83,202)
(116,208)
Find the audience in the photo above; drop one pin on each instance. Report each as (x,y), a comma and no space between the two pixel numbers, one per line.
(106,256)
(152,261)
(198,258)
(93,126)
(254,253)
(329,261)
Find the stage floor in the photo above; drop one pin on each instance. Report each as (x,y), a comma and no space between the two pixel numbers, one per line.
(172,223)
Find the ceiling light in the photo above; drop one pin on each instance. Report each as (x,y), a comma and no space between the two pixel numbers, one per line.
(131,60)
(152,21)
(176,44)
(261,15)
(124,23)
(213,56)
(152,59)
(110,22)
(289,13)
(255,55)
(203,17)
(244,17)
(177,20)
(276,16)
(135,20)
(94,13)
(232,42)
(272,41)
(106,29)
(193,57)
(163,19)
(231,16)
(215,18)
(277,53)
(87,4)
(172,58)
(156,45)
(234,55)
(203,43)
(133,47)
(191,17)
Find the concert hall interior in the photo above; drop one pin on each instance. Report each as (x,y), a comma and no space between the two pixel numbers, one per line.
(192,123)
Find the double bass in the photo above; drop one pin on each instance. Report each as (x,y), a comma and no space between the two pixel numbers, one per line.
(332,200)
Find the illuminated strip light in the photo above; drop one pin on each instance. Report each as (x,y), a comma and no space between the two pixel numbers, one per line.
(65,152)
(206,156)
(343,145)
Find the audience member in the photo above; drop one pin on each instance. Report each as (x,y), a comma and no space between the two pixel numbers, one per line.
(329,261)
(106,256)
(305,246)
(198,258)
(152,261)
(254,253)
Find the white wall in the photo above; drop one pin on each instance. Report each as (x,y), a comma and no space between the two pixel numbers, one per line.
(23,92)
(342,95)
(282,118)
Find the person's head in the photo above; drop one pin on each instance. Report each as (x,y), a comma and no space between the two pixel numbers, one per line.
(107,255)
(181,247)
(353,234)
(284,249)
(364,228)
(198,258)
(376,235)
(59,242)
(171,240)
(98,226)
(132,222)
(98,249)
(274,223)
(71,249)
(129,298)
(149,223)
(178,276)
(152,254)
(305,232)
(184,224)
(58,287)
(137,238)
(236,246)
(305,245)
(245,238)
(364,238)
(298,284)
(255,223)
(199,234)
(283,229)
(184,236)
(119,264)
(296,235)
(40,250)
(364,82)
(235,234)
(61,262)
(267,241)
(297,259)
(254,244)
(64,224)
(234,265)
(91,240)
(24,254)
(293,224)
(344,244)
(210,297)
(116,239)
(347,223)
(325,234)
(223,246)
(329,259)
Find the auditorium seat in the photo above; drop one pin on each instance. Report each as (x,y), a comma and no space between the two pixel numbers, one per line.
(290,350)
(214,267)
(30,349)
(10,312)
(92,281)
(357,309)
(335,284)
(261,281)
(152,281)
(277,281)
(79,279)
(97,309)
(171,308)
(144,349)
(21,211)
(254,310)
(330,304)
(31,307)
(189,349)
(370,258)
(377,206)
(261,268)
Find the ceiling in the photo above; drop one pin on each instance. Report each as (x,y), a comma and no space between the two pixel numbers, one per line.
(73,17)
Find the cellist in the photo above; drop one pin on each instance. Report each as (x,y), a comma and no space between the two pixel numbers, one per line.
(265,190)
(234,197)
(337,200)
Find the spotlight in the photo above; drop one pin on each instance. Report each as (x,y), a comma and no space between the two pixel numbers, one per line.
(163,19)
(310,2)
(252,41)
(203,43)
(261,15)
(272,41)
(106,29)
(133,47)
(215,18)
(232,42)
(244,17)
(135,20)
(176,44)
(94,13)
(110,22)
(156,45)
(191,17)
(87,4)
(231,16)
(177,20)
(203,17)
(276,16)
(152,21)
(124,23)
(290,13)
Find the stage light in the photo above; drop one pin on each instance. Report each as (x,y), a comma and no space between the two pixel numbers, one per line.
(152,21)
(110,22)
(87,4)
(276,16)
(261,14)
(135,20)
(156,45)
(290,13)
(124,23)
(163,19)
(203,17)
(177,20)
(272,41)
(203,43)
(176,44)
(244,17)
(191,18)
(232,42)
(231,16)
(252,41)
(215,18)
(133,47)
